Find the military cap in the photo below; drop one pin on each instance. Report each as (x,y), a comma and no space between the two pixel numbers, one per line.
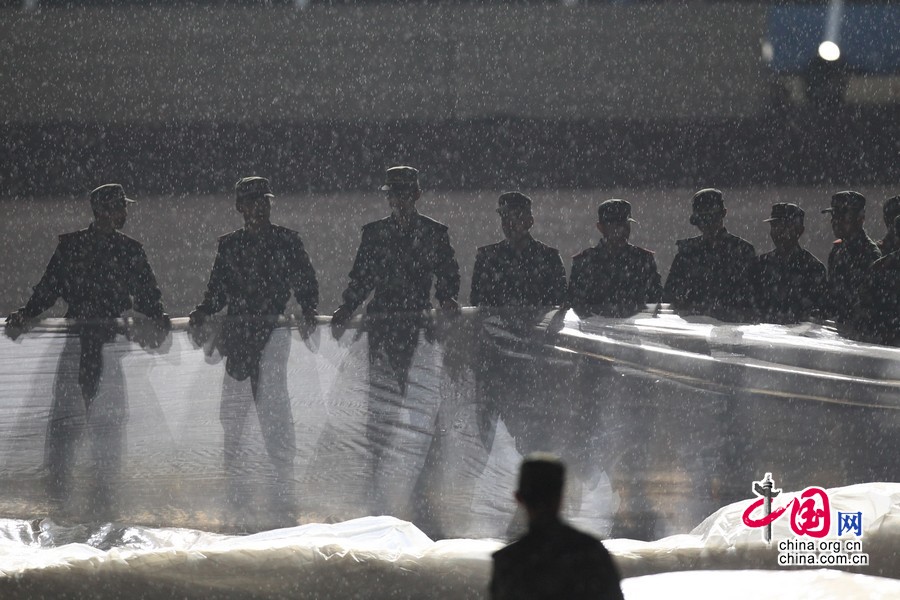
(108,195)
(614,211)
(400,178)
(892,207)
(785,211)
(513,201)
(846,202)
(252,187)
(707,205)
(541,478)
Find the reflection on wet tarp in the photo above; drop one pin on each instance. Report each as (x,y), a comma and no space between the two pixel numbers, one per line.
(661,419)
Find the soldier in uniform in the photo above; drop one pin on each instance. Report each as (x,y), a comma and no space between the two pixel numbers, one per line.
(614,278)
(890,242)
(789,283)
(519,274)
(519,271)
(398,259)
(709,273)
(523,277)
(100,273)
(254,272)
(851,255)
(553,560)
(877,316)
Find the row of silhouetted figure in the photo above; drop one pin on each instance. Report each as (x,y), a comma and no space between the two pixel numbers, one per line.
(406,260)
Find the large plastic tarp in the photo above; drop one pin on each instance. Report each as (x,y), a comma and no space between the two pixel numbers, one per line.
(661,420)
(382,557)
(123,469)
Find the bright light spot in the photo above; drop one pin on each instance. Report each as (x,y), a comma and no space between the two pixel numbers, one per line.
(829,51)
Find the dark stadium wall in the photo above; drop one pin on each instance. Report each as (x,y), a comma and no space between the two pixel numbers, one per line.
(183,99)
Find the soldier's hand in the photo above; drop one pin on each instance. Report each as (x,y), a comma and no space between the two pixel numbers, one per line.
(150,332)
(450,305)
(15,324)
(307,323)
(197,330)
(557,321)
(339,321)
(159,330)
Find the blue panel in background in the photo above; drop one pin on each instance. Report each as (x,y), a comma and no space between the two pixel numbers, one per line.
(868,36)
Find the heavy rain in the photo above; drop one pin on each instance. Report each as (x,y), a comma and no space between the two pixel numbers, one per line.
(295,287)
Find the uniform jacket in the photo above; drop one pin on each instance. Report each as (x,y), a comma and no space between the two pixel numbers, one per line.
(877,315)
(399,266)
(504,277)
(613,284)
(254,273)
(848,263)
(711,278)
(555,561)
(788,289)
(98,276)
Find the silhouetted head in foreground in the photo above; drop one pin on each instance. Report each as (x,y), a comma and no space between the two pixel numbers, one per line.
(541,480)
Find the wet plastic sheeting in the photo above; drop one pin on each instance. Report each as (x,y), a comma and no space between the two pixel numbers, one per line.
(662,420)
(381,557)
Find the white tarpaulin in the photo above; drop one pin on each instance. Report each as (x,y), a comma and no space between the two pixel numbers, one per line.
(661,420)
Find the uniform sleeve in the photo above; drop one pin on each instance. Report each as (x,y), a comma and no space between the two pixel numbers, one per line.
(144,289)
(49,288)
(575,295)
(446,272)
(215,297)
(743,276)
(362,275)
(654,282)
(815,294)
(555,280)
(479,275)
(305,284)
(675,291)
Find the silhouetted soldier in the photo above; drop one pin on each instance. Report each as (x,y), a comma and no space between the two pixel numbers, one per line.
(851,255)
(890,242)
(790,284)
(553,560)
(100,273)
(877,316)
(709,272)
(519,271)
(614,278)
(398,259)
(524,276)
(254,272)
